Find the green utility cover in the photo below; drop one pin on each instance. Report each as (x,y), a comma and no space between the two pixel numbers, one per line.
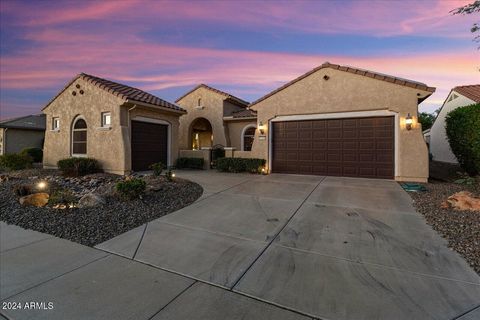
(413,187)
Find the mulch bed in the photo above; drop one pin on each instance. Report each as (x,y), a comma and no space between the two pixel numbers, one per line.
(460,228)
(91,226)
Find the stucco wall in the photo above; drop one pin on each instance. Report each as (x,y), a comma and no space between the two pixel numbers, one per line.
(17,139)
(111,147)
(439,146)
(212,111)
(235,130)
(346,92)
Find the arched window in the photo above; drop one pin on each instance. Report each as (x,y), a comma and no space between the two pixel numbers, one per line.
(79,137)
(199,102)
(247,138)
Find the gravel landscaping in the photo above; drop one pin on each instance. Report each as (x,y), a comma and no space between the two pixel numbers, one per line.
(460,228)
(92,225)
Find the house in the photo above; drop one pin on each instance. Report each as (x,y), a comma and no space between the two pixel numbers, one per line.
(124,128)
(343,121)
(215,118)
(20,133)
(436,137)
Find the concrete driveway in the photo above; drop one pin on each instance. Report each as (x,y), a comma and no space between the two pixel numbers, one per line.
(274,247)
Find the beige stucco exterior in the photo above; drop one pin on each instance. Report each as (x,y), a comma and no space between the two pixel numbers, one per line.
(345,92)
(236,128)
(110,146)
(214,106)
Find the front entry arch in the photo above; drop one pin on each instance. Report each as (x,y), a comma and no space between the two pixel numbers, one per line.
(200,134)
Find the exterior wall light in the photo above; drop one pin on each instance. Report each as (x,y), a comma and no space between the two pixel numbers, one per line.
(408,122)
(261,128)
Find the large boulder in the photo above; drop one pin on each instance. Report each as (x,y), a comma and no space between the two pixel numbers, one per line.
(464,200)
(37,199)
(91,200)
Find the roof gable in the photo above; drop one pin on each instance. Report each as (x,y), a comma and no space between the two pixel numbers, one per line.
(358,71)
(122,91)
(227,96)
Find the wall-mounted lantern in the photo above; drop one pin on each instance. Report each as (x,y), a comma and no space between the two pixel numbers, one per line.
(261,128)
(408,122)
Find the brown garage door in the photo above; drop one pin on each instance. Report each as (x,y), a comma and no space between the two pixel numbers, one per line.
(353,147)
(149,144)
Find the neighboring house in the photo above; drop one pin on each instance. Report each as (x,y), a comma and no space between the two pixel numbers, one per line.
(436,136)
(215,118)
(343,121)
(20,133)
(123,127)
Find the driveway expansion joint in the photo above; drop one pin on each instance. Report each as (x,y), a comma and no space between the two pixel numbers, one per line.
(277,233)
(140,242)
(466,312)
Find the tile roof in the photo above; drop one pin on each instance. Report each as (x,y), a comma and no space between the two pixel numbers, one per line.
(123,91)
(247,113)
(31,122)
(223,93)
(362,72)
(471,91)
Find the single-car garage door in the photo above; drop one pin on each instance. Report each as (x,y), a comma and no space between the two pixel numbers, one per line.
(351,147)
(149,144)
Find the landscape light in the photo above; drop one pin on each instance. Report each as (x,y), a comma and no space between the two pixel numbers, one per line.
(41,185)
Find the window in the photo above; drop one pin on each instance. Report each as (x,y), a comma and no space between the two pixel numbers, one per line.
(199,102)
(55,123)
(106,119)
(247,139)
(79,137)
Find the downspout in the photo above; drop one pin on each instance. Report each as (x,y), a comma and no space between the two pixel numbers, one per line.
(4,144)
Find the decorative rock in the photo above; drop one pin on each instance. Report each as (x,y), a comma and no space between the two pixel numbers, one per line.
(37,199)
(90,200)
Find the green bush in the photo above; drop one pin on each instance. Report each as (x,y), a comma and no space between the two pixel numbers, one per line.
(35,153)
(157,168)
(240,165)
(75,167)
(131,189)
(189,163)
(62,197)
(463,133)
(15,161)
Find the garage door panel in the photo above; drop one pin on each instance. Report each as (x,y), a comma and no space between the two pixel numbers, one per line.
(149,144)
(362,147)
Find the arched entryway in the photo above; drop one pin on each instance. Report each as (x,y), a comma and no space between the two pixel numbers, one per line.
(201,134)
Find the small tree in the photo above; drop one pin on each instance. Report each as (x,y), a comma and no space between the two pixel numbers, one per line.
(426,120)
(469,9)
(463,133)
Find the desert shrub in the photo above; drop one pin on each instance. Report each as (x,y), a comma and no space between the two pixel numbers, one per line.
(463,133)
(15,161)
(75,167)
(23,190)
(157,168)
(62,197)
(131,189)
(240,165)
(35,153)
(189,163)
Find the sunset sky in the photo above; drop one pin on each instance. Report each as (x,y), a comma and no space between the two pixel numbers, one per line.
(247,48)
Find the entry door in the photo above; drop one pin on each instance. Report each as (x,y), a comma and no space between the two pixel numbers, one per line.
(351,147)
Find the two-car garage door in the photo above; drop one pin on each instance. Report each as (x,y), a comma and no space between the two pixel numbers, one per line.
(352,147)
